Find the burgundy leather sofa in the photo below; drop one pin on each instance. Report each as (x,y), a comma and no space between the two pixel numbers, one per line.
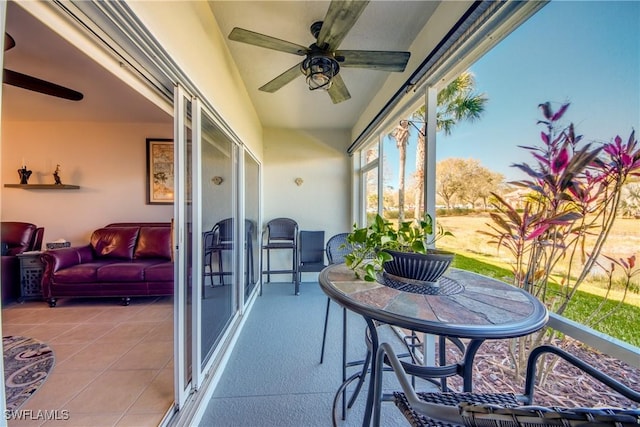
(16,237)
(122,260)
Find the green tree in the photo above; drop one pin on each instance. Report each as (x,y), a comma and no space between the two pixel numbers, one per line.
(479,181)
(456,102)
(449,179)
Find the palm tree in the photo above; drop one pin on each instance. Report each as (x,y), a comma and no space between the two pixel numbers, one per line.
(401,135)
(456,102)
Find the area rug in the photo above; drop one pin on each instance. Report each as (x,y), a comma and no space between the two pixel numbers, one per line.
(27,362)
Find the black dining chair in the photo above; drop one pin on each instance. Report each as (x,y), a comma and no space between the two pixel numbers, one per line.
(223,241)
(336,250)
(207,258)
(249,233)
(281,234)
(496,409)
(220,239)
(310,255)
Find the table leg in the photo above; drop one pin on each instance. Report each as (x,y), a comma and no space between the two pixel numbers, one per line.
(344,361)
(467,368)
(366,422)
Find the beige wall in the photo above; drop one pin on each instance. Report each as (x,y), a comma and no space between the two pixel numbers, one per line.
(188,31)
(322,202)
(107,161)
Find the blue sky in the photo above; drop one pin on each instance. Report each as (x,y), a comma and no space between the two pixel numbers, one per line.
(583,52)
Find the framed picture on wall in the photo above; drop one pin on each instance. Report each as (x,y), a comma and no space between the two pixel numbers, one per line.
(160,174)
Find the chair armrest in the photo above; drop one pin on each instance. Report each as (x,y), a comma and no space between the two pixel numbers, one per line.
(445,413)
(58,259)
(578,363)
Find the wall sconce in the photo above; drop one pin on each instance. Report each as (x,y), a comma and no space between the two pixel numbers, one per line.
(299,181)
(217,180)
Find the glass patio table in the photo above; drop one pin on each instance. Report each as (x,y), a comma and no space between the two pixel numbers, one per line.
(465,305)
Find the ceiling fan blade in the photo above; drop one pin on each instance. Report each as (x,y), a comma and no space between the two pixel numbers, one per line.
(9,42)
(377,60)
(257,39)
(283,79)
(24,81)
(338,90)
(340,17)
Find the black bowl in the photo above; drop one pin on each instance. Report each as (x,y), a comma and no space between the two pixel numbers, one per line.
(419,267)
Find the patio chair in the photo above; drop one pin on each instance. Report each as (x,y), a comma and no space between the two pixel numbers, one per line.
(311,255)
(223,241)
(207,257)
(220,239)
(337,248)
(281,233)
(499,409)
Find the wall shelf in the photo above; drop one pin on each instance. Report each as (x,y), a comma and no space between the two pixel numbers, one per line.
(43,186)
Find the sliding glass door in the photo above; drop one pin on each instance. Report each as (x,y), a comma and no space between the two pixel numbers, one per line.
(220,233)
(251,223)
(183,236)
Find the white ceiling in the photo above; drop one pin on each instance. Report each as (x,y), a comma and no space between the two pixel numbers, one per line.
(41,53)
(384,25)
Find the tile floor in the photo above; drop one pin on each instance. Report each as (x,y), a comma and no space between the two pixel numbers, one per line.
(114,364)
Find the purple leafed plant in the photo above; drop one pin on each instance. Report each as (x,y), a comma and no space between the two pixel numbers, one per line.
(573,193)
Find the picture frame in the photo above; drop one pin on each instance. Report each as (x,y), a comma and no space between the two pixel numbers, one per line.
(160,172)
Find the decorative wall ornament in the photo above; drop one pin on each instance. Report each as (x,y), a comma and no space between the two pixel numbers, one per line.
(217,180)
(299,181)
(24,175)
(56,175)
(160,178)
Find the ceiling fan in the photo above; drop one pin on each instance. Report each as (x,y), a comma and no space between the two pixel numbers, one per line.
(323,61)
(35,84)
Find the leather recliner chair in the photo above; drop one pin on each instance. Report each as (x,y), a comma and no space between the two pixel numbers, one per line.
(16,238)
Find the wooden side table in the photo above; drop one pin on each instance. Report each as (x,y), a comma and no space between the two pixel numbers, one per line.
(31,269)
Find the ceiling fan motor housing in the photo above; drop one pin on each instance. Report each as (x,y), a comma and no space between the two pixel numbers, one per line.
(315,29)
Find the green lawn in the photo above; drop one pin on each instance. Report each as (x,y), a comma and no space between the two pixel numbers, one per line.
(622,324)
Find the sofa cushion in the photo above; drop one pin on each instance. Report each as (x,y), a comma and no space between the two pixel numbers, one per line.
(80,273)
(153,242)
(121,272)
(162,272)
(114,242)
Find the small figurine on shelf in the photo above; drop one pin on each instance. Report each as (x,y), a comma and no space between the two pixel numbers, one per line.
(24,175)
(56,175)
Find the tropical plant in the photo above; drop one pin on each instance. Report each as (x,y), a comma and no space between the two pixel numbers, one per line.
(629,270)
(369,243)
(458,101)
(574,193)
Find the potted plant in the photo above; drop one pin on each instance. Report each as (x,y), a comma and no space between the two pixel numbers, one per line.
(404,252)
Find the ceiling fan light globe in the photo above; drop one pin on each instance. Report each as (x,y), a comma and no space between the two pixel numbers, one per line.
(318,81)
(319,71)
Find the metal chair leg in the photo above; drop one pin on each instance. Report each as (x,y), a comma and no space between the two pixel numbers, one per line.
(324,332)
(211,273)
(220,269)
(294,267)
(268,266)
